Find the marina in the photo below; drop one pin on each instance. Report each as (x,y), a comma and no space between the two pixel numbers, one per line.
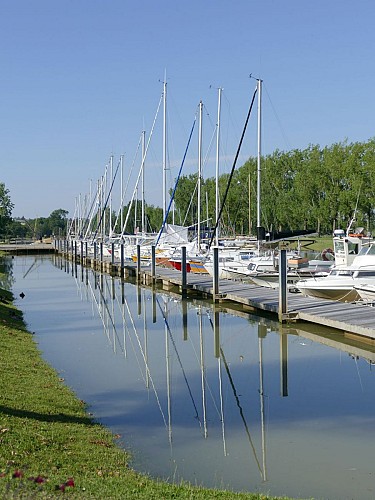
(187,250)
(203,391)
(352,318)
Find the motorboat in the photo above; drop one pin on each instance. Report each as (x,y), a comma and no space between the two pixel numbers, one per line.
(230,258)
(343,280)
(264,270)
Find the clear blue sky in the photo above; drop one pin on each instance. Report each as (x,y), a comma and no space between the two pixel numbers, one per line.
(80,79)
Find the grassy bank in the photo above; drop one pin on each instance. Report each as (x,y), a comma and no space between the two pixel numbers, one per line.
(320,243)
(49,446)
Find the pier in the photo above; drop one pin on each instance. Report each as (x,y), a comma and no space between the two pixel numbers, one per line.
(27,248)
(354,319)
(351,318)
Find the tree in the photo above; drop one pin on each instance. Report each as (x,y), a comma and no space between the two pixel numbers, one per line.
(57,221)
(6,207)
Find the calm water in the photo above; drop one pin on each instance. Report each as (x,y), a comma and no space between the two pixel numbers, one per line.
(206,395)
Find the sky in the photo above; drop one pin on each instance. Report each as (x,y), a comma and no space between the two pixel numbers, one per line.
(81,79)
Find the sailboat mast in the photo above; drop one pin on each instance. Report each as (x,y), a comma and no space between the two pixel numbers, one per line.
(259,88)
(121,190)
(199,174)
(143,181)
(165,147)
(110,197)
(217,205)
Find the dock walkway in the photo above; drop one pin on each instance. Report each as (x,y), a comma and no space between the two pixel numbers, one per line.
(356,319)
(27,248)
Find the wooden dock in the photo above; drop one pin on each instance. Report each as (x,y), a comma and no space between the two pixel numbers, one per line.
(27,248)
(352,319)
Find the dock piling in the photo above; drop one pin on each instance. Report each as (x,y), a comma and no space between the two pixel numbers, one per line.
(283,302)
(216,273)
(184,271)
(138,261)
(153,262)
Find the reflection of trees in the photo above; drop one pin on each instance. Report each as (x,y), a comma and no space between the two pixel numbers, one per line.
(6,272)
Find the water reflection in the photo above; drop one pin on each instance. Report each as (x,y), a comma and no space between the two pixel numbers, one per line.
(203,394)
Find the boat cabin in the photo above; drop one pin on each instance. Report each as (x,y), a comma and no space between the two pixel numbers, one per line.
(347,248)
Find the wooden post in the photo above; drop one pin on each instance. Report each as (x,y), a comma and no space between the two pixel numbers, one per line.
(101,253)
(283,302)
(216,273)
(95,253)
(112,254)
(138,261)
(183,270)
(153,262)
(122,259)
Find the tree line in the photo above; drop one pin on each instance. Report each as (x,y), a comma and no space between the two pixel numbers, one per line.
(316,188)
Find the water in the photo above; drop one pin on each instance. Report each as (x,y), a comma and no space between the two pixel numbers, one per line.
(217,398)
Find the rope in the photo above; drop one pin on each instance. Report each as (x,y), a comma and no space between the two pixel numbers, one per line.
(233,168)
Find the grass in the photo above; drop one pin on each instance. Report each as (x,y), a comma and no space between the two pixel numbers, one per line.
(49,446)
(319,245)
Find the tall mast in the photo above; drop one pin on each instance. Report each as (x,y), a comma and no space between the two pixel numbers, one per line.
(259,85)
(104,194)
(165,146)
(143,181)
(121,190)
(199,175)
(217,205)
(110,197)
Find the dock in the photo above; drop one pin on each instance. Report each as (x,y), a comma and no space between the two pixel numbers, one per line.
(354,319)
(351,318)
(27,248)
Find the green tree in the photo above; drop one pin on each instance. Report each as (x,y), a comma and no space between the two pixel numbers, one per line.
(154,216)
(57,221)
(6,207)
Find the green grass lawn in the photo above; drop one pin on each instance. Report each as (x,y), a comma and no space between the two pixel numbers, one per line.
(321,242)
(49,446)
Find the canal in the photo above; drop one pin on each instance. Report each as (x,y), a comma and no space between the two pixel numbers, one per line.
(204,394)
